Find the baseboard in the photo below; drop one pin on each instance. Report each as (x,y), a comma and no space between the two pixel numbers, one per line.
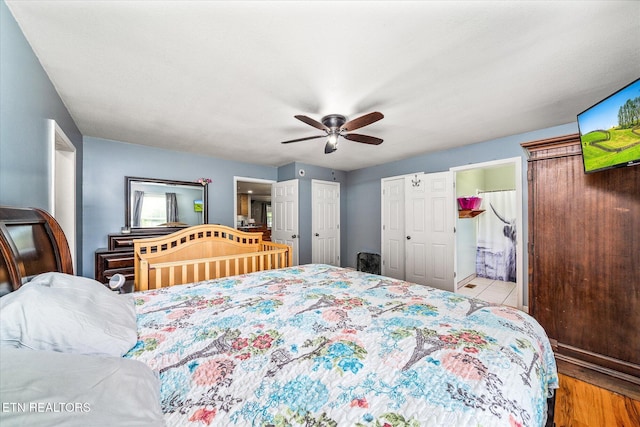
(626,385)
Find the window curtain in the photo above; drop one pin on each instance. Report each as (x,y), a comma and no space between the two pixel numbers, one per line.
(172,207)
(263,214)
(138,197)
(496,249)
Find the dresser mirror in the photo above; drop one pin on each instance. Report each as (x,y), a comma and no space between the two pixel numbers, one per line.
(161,203)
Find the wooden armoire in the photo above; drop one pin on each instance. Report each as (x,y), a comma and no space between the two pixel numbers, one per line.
(584,263)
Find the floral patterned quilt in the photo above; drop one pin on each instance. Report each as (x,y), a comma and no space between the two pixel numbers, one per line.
(317,345)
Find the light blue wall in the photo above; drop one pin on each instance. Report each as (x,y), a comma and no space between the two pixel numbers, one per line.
(363,186)
(106,163)
(27,101)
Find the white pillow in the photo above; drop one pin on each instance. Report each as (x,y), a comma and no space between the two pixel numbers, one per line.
(69,314)
(43,388)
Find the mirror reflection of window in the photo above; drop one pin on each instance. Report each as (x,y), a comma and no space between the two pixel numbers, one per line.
(153,212)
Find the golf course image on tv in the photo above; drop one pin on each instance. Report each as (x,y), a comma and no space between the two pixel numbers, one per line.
(610,130)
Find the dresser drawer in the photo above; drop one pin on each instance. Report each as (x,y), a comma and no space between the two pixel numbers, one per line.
(109,263)
(122,242)
(118,261)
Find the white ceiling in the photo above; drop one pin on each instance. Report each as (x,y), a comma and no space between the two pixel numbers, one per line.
(225,78)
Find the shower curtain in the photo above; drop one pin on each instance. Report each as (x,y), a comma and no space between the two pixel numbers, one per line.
(496,249)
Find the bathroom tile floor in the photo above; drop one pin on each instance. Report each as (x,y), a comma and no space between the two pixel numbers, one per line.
(489,290)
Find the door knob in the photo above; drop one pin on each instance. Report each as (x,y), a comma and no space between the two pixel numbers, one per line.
(295,236)
(317,235)
(408,237)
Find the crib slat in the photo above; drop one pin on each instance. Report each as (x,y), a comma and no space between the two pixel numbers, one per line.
(158,278)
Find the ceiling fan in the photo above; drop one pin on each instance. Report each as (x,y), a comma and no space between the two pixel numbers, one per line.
(336,125)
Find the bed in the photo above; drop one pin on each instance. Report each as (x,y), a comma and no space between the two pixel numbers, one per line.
(318,345)
(203,252)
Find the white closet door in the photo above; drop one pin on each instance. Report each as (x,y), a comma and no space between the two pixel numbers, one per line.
(285,229)
(393,237)
(325,217)
(418,214)
(415,229)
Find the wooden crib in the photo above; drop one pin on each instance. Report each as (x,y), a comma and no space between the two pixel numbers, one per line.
(201,253)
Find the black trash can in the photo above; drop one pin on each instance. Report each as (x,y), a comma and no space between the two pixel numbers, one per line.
(368,262)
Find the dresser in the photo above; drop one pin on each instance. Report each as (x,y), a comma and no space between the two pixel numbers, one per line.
(584,263)
(117,257)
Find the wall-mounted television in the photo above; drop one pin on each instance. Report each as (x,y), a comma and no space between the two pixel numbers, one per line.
(610,130)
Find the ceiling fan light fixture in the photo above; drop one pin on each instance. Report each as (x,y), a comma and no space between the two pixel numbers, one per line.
(332,142)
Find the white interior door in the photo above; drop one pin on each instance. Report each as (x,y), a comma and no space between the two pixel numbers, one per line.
(393,237)
(439,230)
(284,202)
(415,229)
(325,217)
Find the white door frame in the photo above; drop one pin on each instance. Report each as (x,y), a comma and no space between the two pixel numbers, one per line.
(315,247)
(62,184)
(517,162)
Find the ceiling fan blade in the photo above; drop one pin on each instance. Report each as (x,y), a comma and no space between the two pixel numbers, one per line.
(316,124)
(303,139)
(362,121)
(363,138)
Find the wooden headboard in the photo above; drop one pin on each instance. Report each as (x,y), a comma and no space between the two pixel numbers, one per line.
(31,242)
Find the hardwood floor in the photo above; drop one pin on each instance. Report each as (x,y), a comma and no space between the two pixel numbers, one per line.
(580,404)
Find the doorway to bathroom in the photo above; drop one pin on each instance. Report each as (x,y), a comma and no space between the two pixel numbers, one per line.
(489,243)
